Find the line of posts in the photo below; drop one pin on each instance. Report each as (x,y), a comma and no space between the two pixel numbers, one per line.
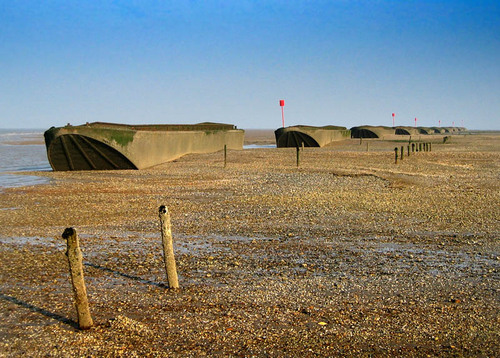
(415,148)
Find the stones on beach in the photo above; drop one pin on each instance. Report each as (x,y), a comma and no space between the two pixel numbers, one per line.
(390,258)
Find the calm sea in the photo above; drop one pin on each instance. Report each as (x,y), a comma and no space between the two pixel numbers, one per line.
(22,150)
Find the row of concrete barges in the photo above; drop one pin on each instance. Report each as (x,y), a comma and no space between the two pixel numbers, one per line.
(109,146)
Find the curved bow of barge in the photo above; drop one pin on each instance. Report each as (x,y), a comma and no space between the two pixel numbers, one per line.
(108,146)
(309,136)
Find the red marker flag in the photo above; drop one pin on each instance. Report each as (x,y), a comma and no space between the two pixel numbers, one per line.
(282,104)
(393,119)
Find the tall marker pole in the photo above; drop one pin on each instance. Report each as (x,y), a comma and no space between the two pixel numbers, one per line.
(393,119)
(415,121)
(282,105)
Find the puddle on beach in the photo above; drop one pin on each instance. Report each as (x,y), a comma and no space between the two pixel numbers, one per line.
(297,253)
(33,240)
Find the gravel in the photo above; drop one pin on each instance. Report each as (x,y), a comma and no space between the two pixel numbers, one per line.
(347,255)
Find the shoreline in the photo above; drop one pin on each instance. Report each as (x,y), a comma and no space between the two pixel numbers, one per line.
(349,254)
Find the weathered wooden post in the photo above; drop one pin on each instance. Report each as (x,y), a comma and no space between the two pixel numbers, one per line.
(396,155)
(298,157)
(420,146)
(408,150)
(401,154)
(168,247)
(430,147)
(76,272)
(367,146)
(413,147)
(225,155)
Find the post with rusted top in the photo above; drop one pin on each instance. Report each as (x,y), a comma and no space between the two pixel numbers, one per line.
(402,153)
(76,272)
(298,157)
(168,247)
(225,155)
(396,155)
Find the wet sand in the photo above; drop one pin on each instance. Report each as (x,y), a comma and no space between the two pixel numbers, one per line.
(347,255)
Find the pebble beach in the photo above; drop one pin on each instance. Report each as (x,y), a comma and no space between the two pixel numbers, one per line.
(347,254)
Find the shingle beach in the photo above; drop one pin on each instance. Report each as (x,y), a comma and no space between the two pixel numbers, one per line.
(348,254)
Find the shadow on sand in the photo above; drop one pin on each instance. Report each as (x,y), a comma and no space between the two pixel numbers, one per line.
(135,278)
(36,309)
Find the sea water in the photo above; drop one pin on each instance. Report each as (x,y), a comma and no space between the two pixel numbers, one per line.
(22,150)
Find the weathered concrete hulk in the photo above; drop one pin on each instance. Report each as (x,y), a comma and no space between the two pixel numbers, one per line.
(107,146)
(308,136)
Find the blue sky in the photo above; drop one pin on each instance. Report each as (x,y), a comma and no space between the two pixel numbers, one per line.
(334,62)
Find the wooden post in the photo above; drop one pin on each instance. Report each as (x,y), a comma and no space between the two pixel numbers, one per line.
(430,147)
(168,247)
(396,155)
(413,147)
(402,152)
(298,157)
(367,146)
(225,155)
(408,150)
(419,147)
(76,272)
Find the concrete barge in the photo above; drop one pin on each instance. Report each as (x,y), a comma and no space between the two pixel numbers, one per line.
(309,136)
(109,146)
(383,132)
